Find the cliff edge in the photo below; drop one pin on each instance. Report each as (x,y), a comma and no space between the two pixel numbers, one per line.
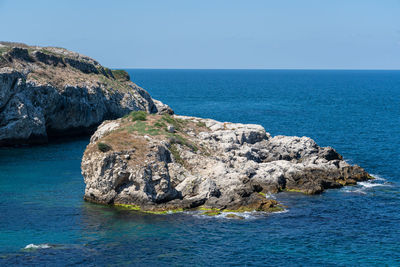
(51,91)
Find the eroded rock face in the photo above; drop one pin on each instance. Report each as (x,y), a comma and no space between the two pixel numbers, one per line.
(48,91)
(205,163)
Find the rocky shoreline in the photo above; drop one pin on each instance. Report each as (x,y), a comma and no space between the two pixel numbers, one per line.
(151,160)
(50,92)
(159,163)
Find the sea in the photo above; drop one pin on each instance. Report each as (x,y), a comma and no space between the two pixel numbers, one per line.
(44,220)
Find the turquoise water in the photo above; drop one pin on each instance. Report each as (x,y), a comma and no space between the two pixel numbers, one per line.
(357,112)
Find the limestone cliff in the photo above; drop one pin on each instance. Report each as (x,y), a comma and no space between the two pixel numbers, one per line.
(50,91)
(163,162)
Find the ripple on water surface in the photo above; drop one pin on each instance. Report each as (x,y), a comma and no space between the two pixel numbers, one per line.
(356,112)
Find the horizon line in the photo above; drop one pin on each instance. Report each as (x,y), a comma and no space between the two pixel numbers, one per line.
(327,69)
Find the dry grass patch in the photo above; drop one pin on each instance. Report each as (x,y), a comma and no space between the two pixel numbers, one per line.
(138,124)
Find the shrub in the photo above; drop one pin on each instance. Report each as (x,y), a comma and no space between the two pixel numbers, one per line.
(121,75)
(177,123)
(160,124)
(177,139)
(103,147)
(138,115)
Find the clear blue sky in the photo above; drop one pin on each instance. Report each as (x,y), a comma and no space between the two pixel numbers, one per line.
(278,34)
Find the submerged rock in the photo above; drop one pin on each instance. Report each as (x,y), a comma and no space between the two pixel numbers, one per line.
(205,164)
(50,91)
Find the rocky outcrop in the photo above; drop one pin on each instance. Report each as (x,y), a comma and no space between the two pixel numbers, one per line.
(204,163)
(49,91)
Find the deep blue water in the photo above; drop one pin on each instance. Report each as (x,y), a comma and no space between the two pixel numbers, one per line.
(357,112)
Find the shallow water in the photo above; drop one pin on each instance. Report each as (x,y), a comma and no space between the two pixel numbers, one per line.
(45,221)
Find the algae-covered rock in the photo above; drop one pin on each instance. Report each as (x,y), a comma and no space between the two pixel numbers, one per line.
(234,216)
(206,164)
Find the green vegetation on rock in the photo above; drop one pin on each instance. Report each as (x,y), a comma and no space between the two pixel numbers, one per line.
(292,190)
(276,208)
(179,139)
(176,155)
(113,83)
(128,206)
(160,124)
(211,212)
(177,123)
(138,208)
(103,147)
(138,115)
(145,125)
(234,216)
(141,127)
(201,124)
(4,49)
(121,75)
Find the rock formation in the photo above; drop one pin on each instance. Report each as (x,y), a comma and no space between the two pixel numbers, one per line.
(50,91)
(163,162)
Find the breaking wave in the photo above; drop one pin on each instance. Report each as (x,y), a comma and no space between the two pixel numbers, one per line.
(40,246)
(364,187)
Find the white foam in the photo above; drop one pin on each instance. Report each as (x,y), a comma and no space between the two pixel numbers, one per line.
(40,246)
(354,190)
(378,178)
(223,215)
(282,211)
(245,215)
(270,196)
(378,181)
(364,187)
(370,184)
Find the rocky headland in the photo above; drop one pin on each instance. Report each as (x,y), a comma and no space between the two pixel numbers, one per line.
(49,91)
(159,163)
